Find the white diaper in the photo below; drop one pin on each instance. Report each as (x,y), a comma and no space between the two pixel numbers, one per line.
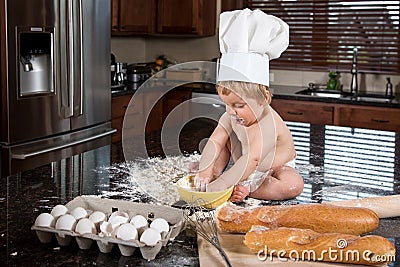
(291,163)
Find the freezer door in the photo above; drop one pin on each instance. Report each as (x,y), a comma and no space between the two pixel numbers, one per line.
(30,107)
(92,95)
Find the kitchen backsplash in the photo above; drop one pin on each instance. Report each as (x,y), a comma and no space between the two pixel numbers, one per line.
(176,49)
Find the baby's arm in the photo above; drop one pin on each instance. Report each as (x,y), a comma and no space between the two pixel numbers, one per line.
(215,144)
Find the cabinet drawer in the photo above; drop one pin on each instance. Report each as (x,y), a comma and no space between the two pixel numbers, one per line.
(371,117)
(303,111)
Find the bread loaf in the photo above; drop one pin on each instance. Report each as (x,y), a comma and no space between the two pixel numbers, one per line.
(318,217)
(306,244)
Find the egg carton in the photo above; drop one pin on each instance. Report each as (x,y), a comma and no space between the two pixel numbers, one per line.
(173,216)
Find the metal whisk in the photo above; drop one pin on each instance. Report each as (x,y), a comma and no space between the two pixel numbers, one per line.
(201,220)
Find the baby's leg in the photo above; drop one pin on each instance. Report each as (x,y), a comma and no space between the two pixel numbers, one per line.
(282,183)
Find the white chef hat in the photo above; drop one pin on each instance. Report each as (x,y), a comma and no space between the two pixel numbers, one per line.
(248,40)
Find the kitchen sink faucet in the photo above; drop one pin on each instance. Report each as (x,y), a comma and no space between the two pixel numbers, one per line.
(354,82)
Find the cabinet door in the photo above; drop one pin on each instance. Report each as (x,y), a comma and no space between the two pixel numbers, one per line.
(368,117)
(229,5)
(134,16)
(114,16)
(154,120)
(177,16)
(193,17)
(304,111)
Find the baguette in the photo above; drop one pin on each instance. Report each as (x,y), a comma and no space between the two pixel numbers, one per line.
(306,244)
(318,217)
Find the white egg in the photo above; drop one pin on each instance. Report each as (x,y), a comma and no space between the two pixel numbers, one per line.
(66,222)
(139,221)
(160,224)
(59,210)
(45,220)
(97,217)
(118,218)
(85,226)
(150,237)
(79,213)
(127,232)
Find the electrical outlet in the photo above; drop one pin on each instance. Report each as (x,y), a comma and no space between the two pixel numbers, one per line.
(271,76)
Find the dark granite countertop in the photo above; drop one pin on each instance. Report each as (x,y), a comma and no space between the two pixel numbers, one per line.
(337,163)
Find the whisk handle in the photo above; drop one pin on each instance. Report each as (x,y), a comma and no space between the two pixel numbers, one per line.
(224,256)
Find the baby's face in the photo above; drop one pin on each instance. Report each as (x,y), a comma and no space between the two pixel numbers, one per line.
(244,111)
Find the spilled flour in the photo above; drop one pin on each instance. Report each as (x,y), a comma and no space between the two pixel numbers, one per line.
(158,176)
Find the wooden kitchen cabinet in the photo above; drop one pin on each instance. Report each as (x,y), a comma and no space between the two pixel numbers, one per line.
(147,110)
(154,120)
(192,17)
(173,17)
(121,107)
(133,17)
(369,117)
(378,118)
(304,111)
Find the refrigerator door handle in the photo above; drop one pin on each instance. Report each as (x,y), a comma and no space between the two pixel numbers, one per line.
(65,145)
(80,34)
(70,58)
(75,57)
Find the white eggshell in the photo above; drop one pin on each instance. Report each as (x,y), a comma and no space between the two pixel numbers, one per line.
(107,229)
(127,232)
(160,224)
(79,213)
(97,217)
(66,222)
(45,220)
(85,226)
(150,237)
(139,221)
(118,218)
(59,210)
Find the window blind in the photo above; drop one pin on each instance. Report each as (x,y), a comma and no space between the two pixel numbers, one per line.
(362,157)
(323,34)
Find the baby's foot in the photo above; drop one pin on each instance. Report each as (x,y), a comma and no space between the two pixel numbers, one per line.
(240,192)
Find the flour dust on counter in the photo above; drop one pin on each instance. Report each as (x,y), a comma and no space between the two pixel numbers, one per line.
(151,178)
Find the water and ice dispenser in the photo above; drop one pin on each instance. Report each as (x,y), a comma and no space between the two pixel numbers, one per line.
(35,56)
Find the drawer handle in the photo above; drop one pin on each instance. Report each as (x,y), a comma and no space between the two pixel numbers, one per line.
(380,121)
(295,113)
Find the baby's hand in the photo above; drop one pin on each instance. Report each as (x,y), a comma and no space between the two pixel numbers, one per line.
(201,183)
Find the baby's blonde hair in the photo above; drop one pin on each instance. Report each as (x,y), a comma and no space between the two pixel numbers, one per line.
(255,91)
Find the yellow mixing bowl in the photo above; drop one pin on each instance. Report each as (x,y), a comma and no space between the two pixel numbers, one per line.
(210,199)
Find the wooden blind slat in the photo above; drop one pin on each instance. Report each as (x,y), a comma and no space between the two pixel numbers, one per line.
(323,34)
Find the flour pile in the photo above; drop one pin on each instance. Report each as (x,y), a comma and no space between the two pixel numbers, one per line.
(158,176)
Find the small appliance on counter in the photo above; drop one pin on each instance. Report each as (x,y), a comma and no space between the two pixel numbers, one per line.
(119,77)
(136,74)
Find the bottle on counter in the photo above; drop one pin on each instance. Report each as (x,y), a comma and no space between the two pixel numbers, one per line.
(389,87)
(333,83)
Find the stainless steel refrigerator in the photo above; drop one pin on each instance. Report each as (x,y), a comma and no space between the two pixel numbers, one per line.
(55,80)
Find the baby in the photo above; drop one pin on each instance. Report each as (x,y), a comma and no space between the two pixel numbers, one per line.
(258,141)
(250,132)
